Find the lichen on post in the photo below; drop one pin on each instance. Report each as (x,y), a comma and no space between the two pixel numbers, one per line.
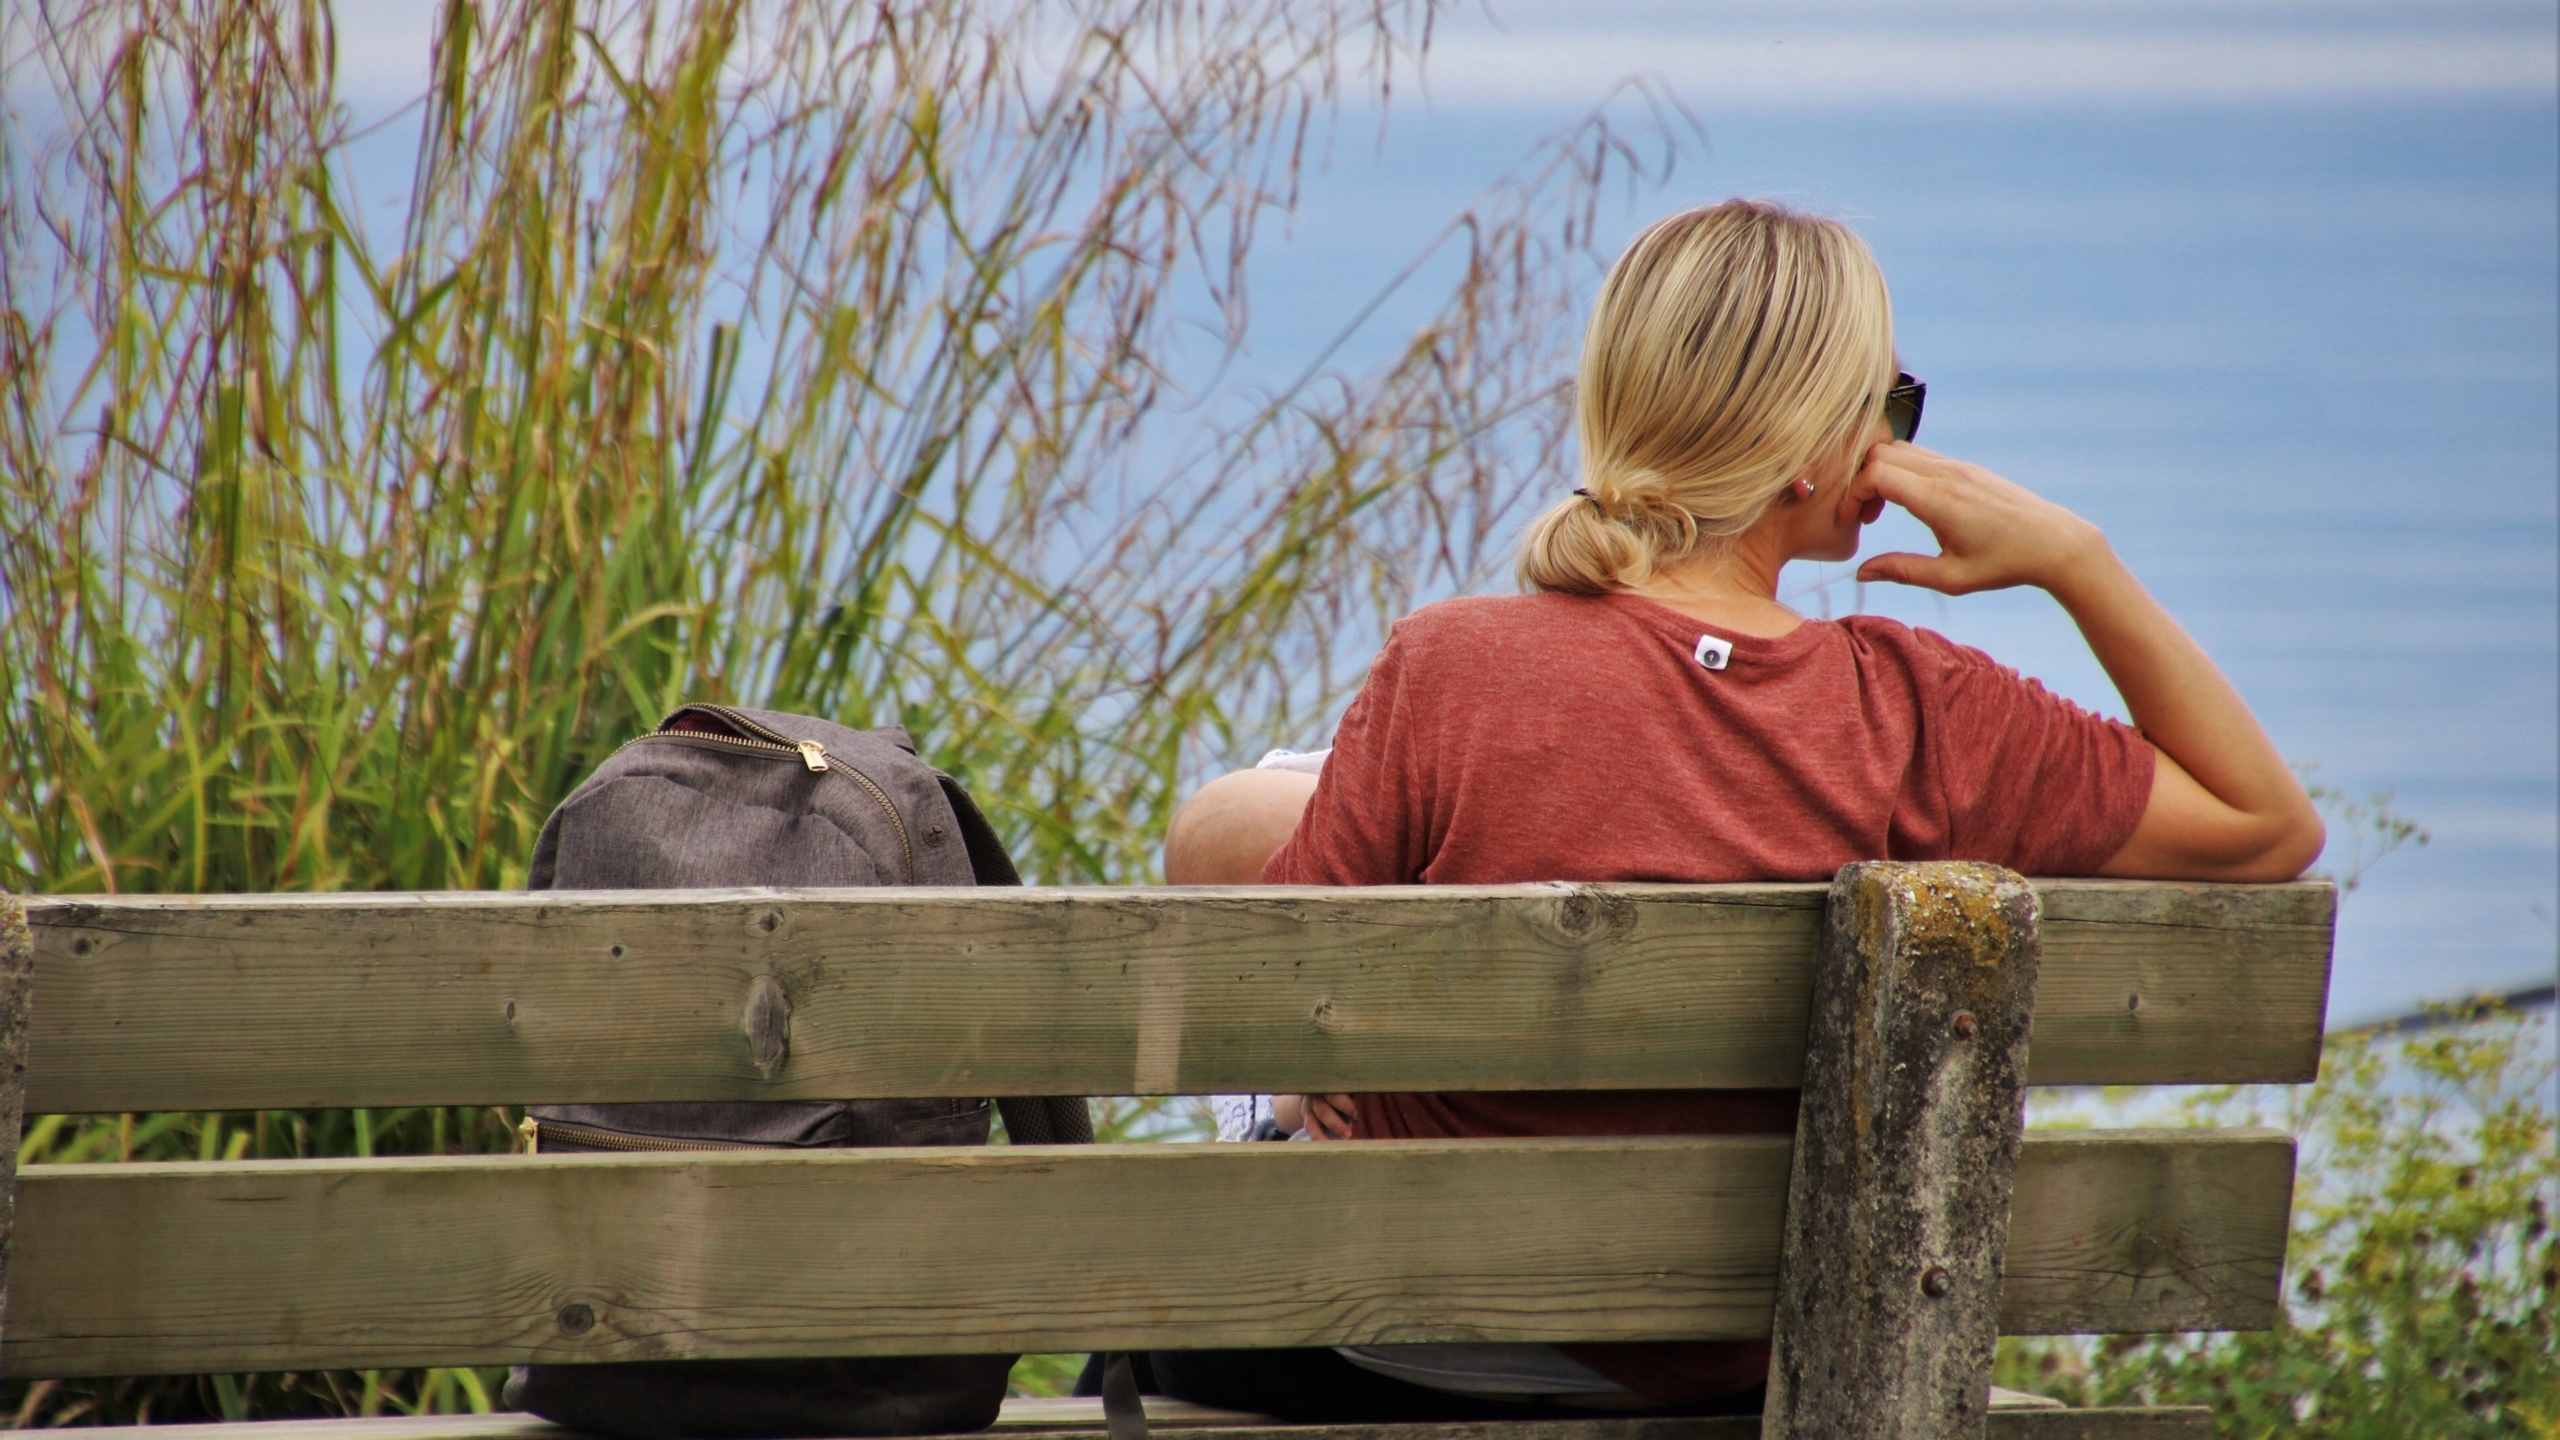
(1906,1147)
(17,979)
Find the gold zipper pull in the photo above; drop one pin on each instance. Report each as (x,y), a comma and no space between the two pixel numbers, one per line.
(529,1135)
(814,754)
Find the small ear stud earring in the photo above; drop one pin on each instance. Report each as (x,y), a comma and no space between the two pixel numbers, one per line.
(1804,488)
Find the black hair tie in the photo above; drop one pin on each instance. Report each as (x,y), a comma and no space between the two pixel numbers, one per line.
(1596,507)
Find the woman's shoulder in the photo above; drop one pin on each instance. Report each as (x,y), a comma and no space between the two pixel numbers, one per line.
(1912,647)
(1476,640)
(1474,622)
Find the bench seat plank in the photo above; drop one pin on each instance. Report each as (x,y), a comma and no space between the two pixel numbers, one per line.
(1081,1413)
(486,998)
(2149,1423)
(190,1268)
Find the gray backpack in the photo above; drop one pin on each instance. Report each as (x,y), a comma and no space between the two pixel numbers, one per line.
(720,796)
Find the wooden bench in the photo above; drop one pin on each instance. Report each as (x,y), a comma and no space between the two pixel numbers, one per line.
(1883,1277)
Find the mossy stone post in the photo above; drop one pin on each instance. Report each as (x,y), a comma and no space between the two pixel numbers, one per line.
(1898,1206)
(17,982)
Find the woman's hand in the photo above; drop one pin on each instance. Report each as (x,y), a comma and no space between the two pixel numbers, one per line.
(1991,534)
(1328,1117)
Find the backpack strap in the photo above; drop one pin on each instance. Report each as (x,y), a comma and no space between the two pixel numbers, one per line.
(1028,1119)
(1123,1413)
(987,858)
(1046,1119)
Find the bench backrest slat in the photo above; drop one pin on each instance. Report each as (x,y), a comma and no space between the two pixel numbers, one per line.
(483,1260)
(270,1002)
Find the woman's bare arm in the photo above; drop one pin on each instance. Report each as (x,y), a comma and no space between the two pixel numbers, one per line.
(1223,835)
(1229,827)
(2224,806)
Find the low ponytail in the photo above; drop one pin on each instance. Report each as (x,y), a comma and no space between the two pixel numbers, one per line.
(1587,545)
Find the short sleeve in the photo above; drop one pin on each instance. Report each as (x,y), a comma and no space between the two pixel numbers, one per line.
(1364,824)
(2030,780)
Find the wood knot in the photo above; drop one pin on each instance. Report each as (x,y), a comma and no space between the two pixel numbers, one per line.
(576,1319)
(2145,1251)
(83,945)
(1327,1017)
(1573,915)
(1581,915)
(768,922)
(768,1023)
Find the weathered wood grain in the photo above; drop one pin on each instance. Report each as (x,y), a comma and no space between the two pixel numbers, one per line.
(2146,1423)
(1052,1413)
(2165,1423)
(2150,1423)
(1906,1144)
(1085,1412)
(2191,1224)
(472,998)
(17,971)
(2125,999)
(253,1265)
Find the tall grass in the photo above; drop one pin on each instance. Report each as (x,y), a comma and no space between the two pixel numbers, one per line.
(862,359)
(852,359)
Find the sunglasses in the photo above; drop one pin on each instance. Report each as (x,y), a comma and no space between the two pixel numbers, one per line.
(1902,405)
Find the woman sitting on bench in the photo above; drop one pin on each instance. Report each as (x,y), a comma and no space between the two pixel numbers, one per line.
(1649,711)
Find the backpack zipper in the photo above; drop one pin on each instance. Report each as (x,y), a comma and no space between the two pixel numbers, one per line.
(529,1133)
(812,753)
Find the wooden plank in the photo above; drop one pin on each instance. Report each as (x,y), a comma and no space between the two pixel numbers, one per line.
(1084,1413)
(2193,1223)
(257,1265)
(480,998)
(1906,1145)
(17,970)
(2148,1423)
(2186,1422)
(1052,1413)
(1081,1412)
(2123,998)
(504,1425)
(2160,1423)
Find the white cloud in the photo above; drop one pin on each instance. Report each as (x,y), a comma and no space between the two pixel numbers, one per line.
(1836,52)
(1994,51)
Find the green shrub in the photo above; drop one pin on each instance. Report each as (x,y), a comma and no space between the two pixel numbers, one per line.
(2423,1269)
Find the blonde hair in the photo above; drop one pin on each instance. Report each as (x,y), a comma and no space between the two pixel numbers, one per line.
(1732,346)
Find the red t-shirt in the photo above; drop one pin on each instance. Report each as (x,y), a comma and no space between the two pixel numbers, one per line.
(1557,737)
